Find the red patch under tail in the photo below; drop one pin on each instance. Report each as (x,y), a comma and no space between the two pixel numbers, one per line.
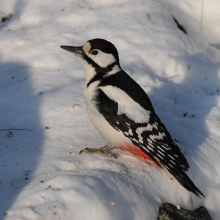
(137,151)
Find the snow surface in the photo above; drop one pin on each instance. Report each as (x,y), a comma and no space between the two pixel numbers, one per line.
(42,175)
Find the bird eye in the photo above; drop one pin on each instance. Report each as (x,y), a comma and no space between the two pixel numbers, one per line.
(94,52)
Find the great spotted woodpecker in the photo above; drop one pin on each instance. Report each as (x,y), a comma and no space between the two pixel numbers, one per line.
(122,112)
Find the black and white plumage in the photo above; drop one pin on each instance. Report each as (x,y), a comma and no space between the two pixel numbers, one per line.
(122,112)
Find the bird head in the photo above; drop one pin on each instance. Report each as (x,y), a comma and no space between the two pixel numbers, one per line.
(98,53)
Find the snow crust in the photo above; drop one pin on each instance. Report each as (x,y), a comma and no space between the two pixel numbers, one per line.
(42,175)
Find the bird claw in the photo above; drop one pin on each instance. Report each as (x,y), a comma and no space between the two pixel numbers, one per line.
(101,151)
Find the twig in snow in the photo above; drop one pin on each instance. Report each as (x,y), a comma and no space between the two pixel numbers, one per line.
(201,18)
(87,4)
(15,129)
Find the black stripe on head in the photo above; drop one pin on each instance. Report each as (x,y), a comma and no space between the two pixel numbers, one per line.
(99,69)
(91,62)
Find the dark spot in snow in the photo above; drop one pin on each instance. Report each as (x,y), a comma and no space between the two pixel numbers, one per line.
(9,134)
(26,178)
(185,114)
(47,127)
(7,17)
(192,116)
(41,181)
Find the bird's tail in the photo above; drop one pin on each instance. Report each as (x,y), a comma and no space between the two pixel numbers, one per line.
(187,183)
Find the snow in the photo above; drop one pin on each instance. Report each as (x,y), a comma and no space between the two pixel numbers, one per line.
(42,175)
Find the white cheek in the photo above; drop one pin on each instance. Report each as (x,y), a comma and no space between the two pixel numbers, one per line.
(104,59)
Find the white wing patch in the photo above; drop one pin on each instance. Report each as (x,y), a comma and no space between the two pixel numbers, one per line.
(127,105)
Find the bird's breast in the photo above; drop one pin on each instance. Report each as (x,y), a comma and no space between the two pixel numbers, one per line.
(113,136)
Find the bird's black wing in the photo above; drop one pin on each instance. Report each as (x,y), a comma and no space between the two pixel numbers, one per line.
(162,150)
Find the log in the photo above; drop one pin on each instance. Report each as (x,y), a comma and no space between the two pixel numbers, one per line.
(172,212)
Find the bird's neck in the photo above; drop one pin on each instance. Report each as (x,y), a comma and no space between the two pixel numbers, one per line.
(97,73)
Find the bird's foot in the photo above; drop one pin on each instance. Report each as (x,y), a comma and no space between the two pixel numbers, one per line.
(101,151)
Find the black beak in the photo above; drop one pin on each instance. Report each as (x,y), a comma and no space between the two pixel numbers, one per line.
(71,49)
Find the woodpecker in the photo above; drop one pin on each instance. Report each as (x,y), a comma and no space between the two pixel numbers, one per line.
(123,114)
